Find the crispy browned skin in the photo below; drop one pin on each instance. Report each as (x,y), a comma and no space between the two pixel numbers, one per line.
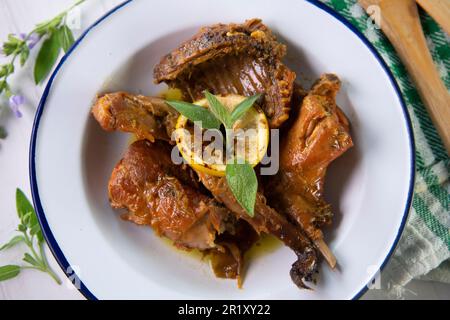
(268,220)
(147,117)
(319,135)
(231,58)
(265,220)
(166,197)
(159,194)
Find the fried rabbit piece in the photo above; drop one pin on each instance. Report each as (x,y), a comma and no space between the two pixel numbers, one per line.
(242,59)
(147,117)
(267,220)
(162,195)
(319,135)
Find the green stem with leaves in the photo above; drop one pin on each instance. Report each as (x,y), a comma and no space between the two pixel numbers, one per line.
(30,234)
(54,33)
(47,268)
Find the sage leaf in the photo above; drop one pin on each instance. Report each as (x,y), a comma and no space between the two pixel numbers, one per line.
(241,179)
(33,223)
(44,27)
(10,68)
(9,272)
(196,113)
(23,205)
(3,133)
(66,38)
(26,218)
(218,109)
(3,86)
(28,258)
(40,236)
(24,55)
(11,243)
(3,70)
(35,230)
(243,107)
(47,57)
(10,46)
(13,39)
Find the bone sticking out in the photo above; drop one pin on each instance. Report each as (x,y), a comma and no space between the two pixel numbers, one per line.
(326,252)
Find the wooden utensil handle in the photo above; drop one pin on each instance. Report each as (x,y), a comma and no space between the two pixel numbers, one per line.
(439,10)
(400,22)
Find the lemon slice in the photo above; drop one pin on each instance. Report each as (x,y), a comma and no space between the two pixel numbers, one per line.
(206,152)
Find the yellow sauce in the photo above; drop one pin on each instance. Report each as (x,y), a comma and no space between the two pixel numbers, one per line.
(171,94)
(266,244)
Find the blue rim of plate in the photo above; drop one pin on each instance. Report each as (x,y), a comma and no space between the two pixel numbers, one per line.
(51,241)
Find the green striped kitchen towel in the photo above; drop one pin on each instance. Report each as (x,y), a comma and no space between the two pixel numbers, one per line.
(425,243)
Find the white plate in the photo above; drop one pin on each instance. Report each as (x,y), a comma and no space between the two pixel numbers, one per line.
(71,158)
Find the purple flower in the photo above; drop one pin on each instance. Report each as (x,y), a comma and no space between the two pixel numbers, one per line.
(15,101)
(33,39)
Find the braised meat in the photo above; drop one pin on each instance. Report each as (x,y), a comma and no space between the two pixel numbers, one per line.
(227,260)
(147,117)
(267,220)
(166,197)
(159,194)
(319,135)
(198,210)
(232,58)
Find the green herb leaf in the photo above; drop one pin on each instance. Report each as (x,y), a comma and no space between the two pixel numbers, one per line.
(23,205)
(13,39)
(243,107)
(9,68)
(28,258)
(241,179)
(3,133)
(218,109)
(33,222)
(196,113)
(65,37)
(10,47)
(3,70)
(42,28)
(47,57)
(24,55)
(47,26)
(3,85)
(26,218)
(9,272)
(35,230)
(12,242)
